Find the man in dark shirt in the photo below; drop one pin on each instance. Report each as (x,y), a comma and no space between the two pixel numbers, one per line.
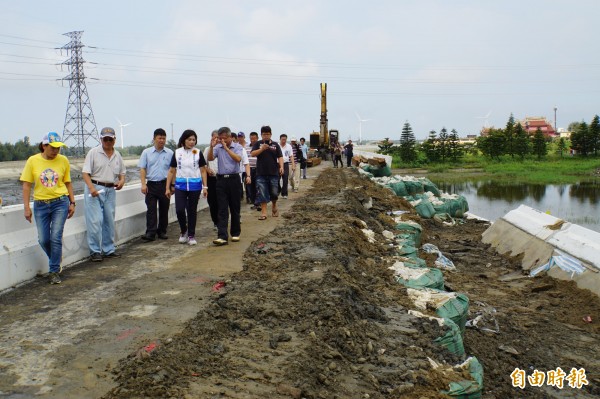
(349,152)
(269,167)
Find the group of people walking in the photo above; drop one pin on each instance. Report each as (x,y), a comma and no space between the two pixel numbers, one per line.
(338,150)
(227,168)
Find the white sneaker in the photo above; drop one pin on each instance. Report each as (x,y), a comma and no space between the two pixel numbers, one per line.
(235,238)
(192,241)
(183,238)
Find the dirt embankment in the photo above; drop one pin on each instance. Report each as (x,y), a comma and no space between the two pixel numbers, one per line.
(316,313)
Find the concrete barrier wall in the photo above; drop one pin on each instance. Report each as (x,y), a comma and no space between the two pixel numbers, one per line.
(21,257)
(536,235)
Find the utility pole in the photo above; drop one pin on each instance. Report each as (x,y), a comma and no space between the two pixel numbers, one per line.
(555,109)
(172,138)
(80,125)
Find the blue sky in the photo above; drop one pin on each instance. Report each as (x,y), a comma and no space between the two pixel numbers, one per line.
(202,65)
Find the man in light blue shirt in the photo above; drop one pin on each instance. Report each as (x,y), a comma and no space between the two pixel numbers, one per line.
(228,155)
(304,149)
(154,166)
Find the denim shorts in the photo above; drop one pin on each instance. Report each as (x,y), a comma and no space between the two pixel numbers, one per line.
(268,188)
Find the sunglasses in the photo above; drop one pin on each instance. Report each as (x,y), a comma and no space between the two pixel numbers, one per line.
(107,139)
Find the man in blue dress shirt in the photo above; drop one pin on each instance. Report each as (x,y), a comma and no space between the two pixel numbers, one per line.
(154,166)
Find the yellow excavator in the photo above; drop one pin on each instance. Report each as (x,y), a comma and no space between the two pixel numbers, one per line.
(324,140)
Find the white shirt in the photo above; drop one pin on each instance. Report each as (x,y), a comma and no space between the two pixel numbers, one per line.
(287,152)
(214,165)
(245,161)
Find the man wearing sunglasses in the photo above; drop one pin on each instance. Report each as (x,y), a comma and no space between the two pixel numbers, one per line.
(103,173)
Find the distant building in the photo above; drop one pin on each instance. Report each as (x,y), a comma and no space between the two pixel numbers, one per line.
(485,131)
(564,133)
(532,123)
(470,139)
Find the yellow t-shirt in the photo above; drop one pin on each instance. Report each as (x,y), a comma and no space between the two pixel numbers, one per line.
(47,176)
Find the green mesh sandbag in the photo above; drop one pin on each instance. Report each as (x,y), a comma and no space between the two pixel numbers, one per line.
(413,187)
(411,228)
(418,277)
(414,260)
(429,186)
(455,309)
(378,171)
(425,209)
(398,187)
(406,249)
(452,339)
(448,305)
(455,207)
(468,389)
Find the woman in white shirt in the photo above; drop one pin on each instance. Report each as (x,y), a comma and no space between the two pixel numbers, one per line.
(187,177)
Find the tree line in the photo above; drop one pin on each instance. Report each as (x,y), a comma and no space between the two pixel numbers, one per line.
(513,141)
(23,149)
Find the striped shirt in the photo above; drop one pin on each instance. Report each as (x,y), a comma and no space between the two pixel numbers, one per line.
(251,159)
(296,153)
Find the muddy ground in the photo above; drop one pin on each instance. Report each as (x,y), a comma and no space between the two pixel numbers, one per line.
(314,312)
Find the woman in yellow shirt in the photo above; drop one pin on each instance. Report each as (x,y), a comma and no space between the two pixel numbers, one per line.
(53,199)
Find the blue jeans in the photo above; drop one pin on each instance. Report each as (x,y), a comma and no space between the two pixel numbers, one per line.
(50,220)
(268,188)
(100,219)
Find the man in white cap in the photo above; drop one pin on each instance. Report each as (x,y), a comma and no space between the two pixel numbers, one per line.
(103,173)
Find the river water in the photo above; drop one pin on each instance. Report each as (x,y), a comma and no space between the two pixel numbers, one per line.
(576,203)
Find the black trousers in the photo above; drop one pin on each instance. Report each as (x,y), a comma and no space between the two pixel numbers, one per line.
(243,186)
(228,198)
(336,159)
(284,179)
(211,198)
(251,188)
(349,160)
(186,208)
(156,196)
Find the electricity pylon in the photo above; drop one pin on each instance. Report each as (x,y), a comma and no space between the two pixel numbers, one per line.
(80,130)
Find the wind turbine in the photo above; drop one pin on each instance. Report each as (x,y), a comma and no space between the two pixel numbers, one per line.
(360,121)
(121,125)
(485,119)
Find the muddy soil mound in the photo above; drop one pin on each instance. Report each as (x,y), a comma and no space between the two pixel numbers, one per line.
(316,313)
(540,320)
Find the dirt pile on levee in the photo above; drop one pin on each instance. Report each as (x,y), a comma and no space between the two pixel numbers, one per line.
(540,320)
(315,314)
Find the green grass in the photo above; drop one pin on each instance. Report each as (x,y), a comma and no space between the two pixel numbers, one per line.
(555,171)
(550,170)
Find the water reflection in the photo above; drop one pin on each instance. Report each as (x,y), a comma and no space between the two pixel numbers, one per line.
(577,203)
(511,192)
(586,191)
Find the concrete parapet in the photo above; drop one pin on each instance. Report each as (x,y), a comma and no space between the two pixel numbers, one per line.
(21,257)
(536,235)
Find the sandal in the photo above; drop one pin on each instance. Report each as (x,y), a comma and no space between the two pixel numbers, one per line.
(276,213)
(261,217)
